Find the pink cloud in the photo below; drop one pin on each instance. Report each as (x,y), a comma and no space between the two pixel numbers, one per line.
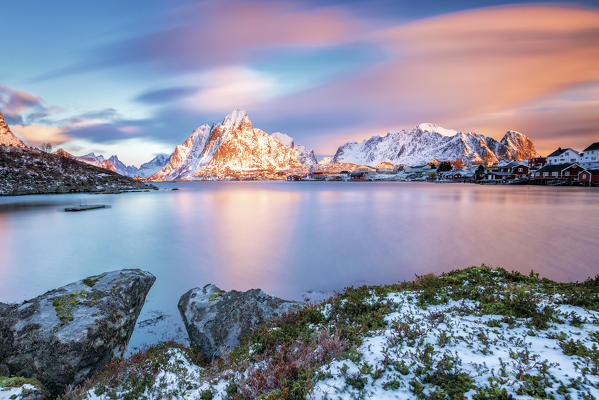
(487,65)
(14,103)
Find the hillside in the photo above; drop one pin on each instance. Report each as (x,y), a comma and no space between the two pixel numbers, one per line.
(30,171)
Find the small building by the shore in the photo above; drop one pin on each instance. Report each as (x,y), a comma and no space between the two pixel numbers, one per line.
(567,171)
(537,162)
(358,176)
(589,176)
(499,176)
(563,156)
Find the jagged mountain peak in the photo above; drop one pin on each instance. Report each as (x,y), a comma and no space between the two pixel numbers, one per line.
(230,148)
(430,127)
(235,119)
(7,138)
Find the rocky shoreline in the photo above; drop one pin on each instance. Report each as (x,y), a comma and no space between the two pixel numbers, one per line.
(477,333)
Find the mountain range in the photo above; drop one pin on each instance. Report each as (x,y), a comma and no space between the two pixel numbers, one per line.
(426,142)
(234,148)
(114,164)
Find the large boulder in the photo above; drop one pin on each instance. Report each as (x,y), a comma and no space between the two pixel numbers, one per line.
(64,335)
(216,321)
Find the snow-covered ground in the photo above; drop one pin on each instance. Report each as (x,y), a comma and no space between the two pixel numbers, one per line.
(396,362)
(475,334)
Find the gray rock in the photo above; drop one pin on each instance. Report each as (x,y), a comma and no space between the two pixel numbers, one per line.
(64,335)
(216,321)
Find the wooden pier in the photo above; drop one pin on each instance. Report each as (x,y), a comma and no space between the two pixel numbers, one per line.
(85,207)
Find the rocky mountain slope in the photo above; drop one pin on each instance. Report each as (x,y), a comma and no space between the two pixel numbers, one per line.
(304,155)
(114,164)
(7,138)
(427,141)
(228,149)
(31,171)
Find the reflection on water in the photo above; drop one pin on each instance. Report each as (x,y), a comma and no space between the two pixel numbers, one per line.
(290,237)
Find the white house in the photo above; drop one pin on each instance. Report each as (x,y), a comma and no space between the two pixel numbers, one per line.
(591,154)
(563,156)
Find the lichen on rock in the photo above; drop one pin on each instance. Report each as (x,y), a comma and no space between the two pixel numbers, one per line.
(64,335)
(217,321)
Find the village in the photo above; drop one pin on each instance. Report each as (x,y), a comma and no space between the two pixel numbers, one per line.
(563,167)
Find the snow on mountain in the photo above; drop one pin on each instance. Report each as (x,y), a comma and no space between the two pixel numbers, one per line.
(304,155)
(228,148)
(518,146)
(428,141)
(283,138)
(114,164)
(325,160)
(154,165)
(7,138)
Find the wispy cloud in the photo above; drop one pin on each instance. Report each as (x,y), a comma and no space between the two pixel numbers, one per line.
(462,65)
(212,34)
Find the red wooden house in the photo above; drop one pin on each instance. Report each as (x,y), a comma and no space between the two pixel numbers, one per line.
(589,176)
(559,171)
(537,162)
(508,172)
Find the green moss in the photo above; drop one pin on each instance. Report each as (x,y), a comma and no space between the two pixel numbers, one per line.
(342,323)
(215,295)
(18,381)
(92,280)
(64,305)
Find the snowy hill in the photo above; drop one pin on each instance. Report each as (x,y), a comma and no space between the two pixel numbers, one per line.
(7,138)
(232,147)
(428,141)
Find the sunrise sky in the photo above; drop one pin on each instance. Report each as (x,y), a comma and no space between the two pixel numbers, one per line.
(135,78)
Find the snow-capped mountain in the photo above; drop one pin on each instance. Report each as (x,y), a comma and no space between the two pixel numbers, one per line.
(7,138)
(154,165)
(234,146)
(114,164)
(428,141)
(304,155)
(93,159)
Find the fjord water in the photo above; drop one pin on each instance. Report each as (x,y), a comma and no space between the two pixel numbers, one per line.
(287,238)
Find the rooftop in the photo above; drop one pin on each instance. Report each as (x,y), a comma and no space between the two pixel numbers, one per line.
(594,146)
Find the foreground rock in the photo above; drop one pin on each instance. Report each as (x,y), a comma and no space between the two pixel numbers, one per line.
(64,335)
(217,321)
(478,333)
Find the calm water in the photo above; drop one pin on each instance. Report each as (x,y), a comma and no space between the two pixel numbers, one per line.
(291,237)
